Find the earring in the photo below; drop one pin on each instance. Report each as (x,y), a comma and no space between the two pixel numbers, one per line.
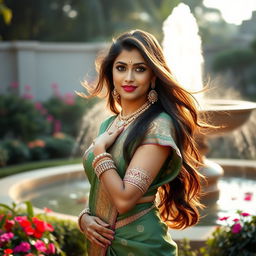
(152,95)
(116,95)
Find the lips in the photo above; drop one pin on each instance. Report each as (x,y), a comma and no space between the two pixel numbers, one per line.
(129,88)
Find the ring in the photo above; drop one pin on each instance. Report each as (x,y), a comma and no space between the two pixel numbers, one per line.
(110,133)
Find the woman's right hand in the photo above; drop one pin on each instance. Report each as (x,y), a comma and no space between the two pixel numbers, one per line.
(96,230)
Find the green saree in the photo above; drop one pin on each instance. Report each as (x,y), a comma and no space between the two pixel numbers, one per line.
(141,231)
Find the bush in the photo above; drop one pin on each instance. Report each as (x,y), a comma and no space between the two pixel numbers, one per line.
(3,156)
(236,237)
(19,119)
(63,235)
(59,146)
(17,151)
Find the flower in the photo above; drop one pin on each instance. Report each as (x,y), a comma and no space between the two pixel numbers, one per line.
(245,214)
(40,246)
(26,235)
(47,210)
(248,196)
(236,228)
(8,251)
(223,218)
(22,247)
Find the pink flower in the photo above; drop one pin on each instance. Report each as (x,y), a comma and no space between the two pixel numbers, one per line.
(38,105)
(22,247)
(57,126)
(223,218)
(248,196)
(54,86)
(49,118)
(40,246)
(28,96)
(51,249)
(236,228)
(27,87)
(6,237)
(236,220)
(47,210)
(14,85)
(30,254)
(69,99)
(245,214)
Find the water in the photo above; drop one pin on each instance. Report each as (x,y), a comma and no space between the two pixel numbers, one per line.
(74,196)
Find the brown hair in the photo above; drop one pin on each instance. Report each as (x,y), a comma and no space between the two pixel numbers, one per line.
(179,199)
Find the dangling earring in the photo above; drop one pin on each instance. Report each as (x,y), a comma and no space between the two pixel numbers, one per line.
(152,95)
(116,95)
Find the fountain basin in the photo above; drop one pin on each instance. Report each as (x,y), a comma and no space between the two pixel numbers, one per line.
(22,186)
(227,115)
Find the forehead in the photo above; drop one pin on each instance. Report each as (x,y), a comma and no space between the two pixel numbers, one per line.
(130,55)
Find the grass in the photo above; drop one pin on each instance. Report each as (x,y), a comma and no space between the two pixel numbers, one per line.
(14,169)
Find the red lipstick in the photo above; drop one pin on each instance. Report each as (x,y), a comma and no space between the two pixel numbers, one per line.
(129,88)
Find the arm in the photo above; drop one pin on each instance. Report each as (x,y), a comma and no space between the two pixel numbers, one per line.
(147,157)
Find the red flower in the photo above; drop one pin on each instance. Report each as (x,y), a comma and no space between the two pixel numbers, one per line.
(8,225)
(29,231)
(223,218)
(8,251)
(38,234)
(236,228)
(245,214)
(39,224)
(47,210)
(236,220)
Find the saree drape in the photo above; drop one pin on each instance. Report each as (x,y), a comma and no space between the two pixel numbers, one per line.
(147,235)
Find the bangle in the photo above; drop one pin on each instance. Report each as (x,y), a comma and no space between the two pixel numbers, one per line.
(104,166)
(82,213)
(100,156)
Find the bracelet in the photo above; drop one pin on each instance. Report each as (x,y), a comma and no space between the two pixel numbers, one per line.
(82,213)
(100,156)
(104,166)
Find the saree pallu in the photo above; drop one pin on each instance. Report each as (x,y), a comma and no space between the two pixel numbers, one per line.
(146,234)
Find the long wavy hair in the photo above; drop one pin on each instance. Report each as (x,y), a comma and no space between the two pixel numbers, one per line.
(179,199)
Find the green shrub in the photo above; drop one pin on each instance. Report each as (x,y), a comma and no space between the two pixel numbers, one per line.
(60,145)
(17,151)
(19,119)
(68,111)
(3,156)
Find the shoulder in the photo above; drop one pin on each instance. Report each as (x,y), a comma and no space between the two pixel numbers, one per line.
(162,124)
(104,125)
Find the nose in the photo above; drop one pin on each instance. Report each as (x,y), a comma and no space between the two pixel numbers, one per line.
(129,76)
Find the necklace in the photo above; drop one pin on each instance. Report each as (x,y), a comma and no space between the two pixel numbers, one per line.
(125,120)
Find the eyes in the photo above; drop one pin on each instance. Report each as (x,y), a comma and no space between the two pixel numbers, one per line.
(122,68)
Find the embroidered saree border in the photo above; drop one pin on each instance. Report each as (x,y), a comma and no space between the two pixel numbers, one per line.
(130,219)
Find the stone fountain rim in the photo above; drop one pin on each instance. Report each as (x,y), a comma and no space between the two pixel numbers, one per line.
(216,105)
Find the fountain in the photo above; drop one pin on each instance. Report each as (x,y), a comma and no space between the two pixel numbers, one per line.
(228,114)
(182,49)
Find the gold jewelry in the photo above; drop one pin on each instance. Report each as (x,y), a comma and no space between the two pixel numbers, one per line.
(125,120)
(104,166)
(100,156)
(138,178)
(152,95)
(82,213)
(116,95)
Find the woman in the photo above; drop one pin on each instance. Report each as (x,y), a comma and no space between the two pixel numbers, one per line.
(142,166)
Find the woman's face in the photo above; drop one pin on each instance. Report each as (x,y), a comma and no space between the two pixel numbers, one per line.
(132,76)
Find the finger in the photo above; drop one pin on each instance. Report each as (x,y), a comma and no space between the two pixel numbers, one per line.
(101,238)
(102,229)
(95,241)
(101,222)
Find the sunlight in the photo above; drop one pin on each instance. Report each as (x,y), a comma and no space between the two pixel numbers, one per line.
(233,11)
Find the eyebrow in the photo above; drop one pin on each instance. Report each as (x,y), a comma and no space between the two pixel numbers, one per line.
(135,64)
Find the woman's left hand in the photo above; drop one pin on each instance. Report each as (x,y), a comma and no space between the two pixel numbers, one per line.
(106,139)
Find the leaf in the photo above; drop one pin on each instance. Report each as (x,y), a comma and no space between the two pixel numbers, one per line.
(3,221)
(7,207)
(30,210)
